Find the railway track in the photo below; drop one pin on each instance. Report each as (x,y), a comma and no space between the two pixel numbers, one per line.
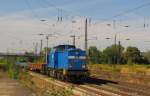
(135,91)
(107,88)
(124,88)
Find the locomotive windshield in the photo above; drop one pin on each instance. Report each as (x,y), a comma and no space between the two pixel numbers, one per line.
(64,47)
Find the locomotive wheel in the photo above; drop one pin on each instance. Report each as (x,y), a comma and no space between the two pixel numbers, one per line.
(59,76)
(48,72)
(55,74)
(51,74)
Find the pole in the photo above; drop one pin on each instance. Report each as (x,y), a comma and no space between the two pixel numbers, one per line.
(115,42)
(115,56)
(119,51)
(35,50)
(74,40)
(86,43)
(41,47)
(46,50)
(7,56)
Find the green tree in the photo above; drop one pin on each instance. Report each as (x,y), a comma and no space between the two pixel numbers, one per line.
(132,55)
(30,59)
(113,54)
(44,50)
(147,56)
(94,55)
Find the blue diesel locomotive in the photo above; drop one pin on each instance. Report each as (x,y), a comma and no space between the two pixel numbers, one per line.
(66,62)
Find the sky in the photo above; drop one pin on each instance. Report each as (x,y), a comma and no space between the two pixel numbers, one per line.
(20,23)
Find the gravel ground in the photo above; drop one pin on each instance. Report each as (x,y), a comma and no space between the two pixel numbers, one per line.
(9,87)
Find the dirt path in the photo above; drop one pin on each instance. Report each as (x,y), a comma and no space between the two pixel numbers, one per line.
(9,87)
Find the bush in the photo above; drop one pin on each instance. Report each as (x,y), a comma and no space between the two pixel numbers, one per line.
(13,72)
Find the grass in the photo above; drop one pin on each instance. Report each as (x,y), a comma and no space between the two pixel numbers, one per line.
(132,68)
(134,73)
(57,92)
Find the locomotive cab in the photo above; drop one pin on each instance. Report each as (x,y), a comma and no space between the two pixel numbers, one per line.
(77,63)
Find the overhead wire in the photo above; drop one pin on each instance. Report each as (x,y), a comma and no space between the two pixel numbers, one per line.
(29,5)
(70,13)
(107,19)
(60,16)
(62,12)
(127,11)
(117,15)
